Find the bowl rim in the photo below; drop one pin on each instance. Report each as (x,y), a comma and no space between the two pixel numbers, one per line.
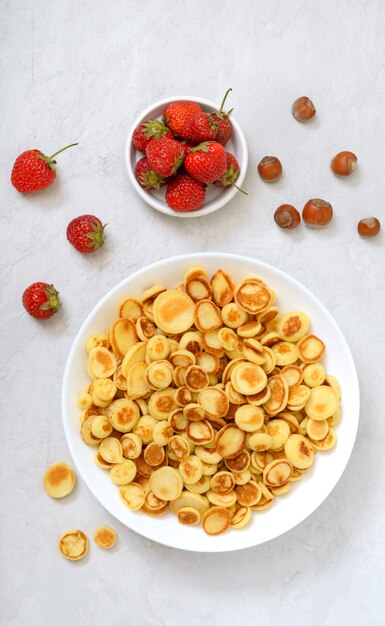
(194,256)
(218,203)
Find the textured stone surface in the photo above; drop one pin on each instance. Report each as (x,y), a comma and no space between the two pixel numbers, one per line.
(81,71)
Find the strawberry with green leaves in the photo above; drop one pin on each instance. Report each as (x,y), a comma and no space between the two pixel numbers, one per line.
(177,113)
(147,177)
(185,194)
(41,300)
(206,162)
(205,126)
(85,233)
(34,171)
(223,123)
(145,132)
(165,156)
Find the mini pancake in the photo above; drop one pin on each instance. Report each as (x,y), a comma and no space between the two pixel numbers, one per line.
(290,419)
(104,389)
(249,494)
(190,499)
(335,418)
(154,454)
(162,433)
(123,414)
(188,516)
(73,545)
(279,395)
(198,288)
(173,311)
(191,470)
(260,442)
(286,353)
(253,351)
(148,311)
(331,381)
(131,445)
(158,348)
(257,399)
(182,396)
(179,376)
(144,469)
(97,341)
(317,429)
(282,489)
(136,381)
(293,326)
(277,473)
(166,483)
(233,396)
(248,378)
(136,354)
(252,297)
(196,378)
(327,442)
(227,499)
(191,341)
(132,495)
(200,433)
(214,401)
(249,418)
(314,375)
(279,430)
(196,271)
(299,451)
(250,329)
(230,441)
(131,309)
(194,412)
(241,517)
(178,449)
(207,455)
(86,432)
(262,505)
(292,374)
(59,480)
(222,482)
(216,520)
(178,421)
(201,486)
(123,473)
(267,316)
(310,349)
(182,358)
(226,375)
(233,316)
(145,328)
(149,295)
(84,401)
(270,339)
(222,288)
(153,504)
(101,426)
(120,380)
(111,450)
(207,316)
(241,478)
(269,363)
(105,537)
(162,403)
(212,345)
(298,396)
(159,375)
(322,403)
(228,339)
(122,336)
(239,463)
(101,462)
(144,428)
(101,363)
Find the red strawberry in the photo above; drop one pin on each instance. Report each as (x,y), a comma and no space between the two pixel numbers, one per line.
(185,194)
(147,177)
(85,233)
(165,156)
(33,171)
(186,147)
(177,113)
(231,173)
(206,162)
(145,132)
(223,123)
(200,127)
(41,300)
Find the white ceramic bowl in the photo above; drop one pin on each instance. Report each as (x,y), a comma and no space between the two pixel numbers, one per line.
(305,496)
(216,197)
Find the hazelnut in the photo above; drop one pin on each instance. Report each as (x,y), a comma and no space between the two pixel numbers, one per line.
(303,109)
(344,163)
(270,169)
(369,227)
(317,213)
(287,216)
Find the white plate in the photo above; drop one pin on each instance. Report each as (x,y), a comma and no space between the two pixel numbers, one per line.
(216,197)
(305,496)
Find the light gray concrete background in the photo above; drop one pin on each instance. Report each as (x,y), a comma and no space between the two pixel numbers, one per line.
(82,71)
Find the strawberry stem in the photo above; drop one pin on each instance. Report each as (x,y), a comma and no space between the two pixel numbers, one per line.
(50,158)
(224,100)
(239,188)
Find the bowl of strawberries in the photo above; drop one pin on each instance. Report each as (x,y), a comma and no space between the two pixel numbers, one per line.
(186,156)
